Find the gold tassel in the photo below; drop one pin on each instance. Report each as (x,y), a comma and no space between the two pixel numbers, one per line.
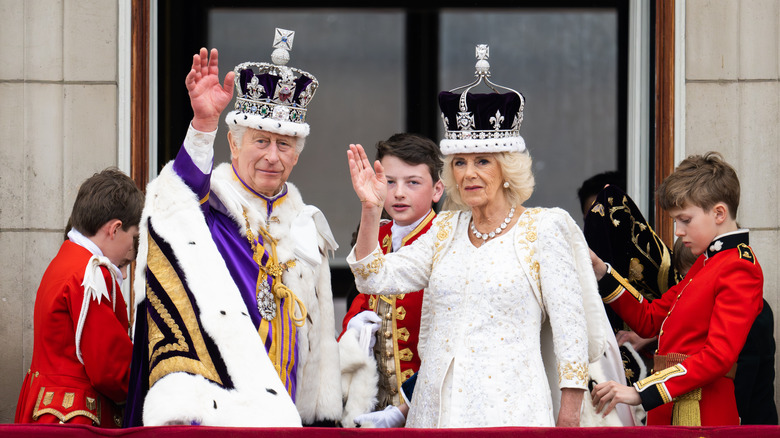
(282,291)
(686,411)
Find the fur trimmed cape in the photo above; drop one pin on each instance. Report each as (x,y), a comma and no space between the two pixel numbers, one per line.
(227,379)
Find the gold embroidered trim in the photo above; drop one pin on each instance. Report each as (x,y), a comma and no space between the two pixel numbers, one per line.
(746,253)
(403,334)
(155,334)
(369,268)
(37,413)
(665,397)
(627,286)
(573,371)
(638,227)
(444,228)
(170,282)
(406,374)
(635,270)
(429,217)
(67,400)
(396,359)
(405,355)
(66,418)
(400,313)
(615,294)
(661,377)
(528,222)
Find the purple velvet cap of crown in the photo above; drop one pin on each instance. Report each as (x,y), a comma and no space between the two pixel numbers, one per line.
(264,105)
(490,123)
(270,82)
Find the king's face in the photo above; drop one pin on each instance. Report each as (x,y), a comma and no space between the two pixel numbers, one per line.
(264,160)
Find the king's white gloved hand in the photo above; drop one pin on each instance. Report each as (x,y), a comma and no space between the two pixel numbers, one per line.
(391,416)
(365,323)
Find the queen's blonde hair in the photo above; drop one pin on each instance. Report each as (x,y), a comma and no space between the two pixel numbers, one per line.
(515,169)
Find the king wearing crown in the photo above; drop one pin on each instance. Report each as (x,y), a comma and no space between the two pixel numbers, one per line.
(235,313)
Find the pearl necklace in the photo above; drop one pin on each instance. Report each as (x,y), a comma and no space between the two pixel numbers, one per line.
(498,230)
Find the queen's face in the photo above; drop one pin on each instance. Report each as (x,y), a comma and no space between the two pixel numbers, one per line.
(479,179)
(264,160)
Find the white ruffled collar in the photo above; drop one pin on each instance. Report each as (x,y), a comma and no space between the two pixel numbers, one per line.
(83,241)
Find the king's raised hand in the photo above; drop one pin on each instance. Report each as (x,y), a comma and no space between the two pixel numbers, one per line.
(369,184)
(208,96)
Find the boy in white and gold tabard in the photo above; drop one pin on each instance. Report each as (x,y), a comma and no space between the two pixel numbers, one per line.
(413,165)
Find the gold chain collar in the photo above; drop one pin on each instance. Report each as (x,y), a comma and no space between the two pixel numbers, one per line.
(265,303)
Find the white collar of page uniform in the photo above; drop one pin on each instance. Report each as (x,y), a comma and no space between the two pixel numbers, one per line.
(79,239)
(401,231)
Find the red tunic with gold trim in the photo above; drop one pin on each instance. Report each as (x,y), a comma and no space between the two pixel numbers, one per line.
(399,333)
(58,387)
(702,324)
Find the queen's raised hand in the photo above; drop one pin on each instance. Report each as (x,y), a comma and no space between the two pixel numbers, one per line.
(370,184)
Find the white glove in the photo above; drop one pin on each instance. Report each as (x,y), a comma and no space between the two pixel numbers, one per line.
(365,323)
(390,417)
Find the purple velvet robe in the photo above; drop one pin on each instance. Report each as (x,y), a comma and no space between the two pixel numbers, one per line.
(238,255)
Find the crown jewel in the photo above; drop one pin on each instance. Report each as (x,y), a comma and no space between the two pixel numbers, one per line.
(274,97)
(481,122)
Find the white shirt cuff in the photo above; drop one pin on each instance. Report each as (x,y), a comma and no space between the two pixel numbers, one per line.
(200,146)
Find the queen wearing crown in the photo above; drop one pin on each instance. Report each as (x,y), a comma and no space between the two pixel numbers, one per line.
(235,319)
(496,273)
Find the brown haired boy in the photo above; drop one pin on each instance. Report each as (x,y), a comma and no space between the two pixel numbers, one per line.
(412,165)
(703,321)
(81,349)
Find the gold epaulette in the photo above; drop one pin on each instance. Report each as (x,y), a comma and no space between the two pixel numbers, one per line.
(746,253)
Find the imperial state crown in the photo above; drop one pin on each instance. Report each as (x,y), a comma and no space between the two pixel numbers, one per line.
(272,96)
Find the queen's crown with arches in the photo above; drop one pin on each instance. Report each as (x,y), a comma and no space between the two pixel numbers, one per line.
(475,123)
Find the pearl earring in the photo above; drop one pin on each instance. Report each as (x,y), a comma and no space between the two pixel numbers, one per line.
(506,184)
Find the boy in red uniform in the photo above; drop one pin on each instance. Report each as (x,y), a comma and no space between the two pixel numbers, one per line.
(81,349)
(703,321)
(412,164)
